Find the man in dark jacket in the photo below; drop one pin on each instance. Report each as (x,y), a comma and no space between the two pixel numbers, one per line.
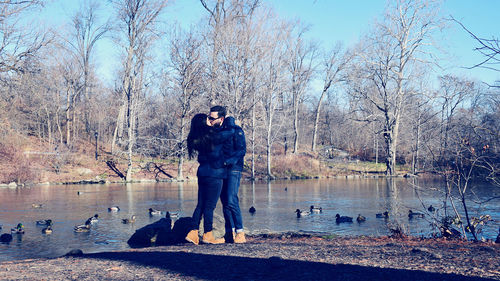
(234,153)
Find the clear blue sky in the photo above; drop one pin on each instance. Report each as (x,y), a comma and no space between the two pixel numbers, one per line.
(332,21)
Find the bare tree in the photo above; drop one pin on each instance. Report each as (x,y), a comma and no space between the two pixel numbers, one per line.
(333,64)
(18,42)
(72,88)
(238,58)
(489,48)
(274,87)
(222,14)
(186,61)
(86,32)
(301,57)
(389,57)
(452,95)
(138,19)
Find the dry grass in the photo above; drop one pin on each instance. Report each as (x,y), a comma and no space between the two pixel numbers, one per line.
(27,159)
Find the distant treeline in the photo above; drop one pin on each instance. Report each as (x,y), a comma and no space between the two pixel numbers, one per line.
(380,99)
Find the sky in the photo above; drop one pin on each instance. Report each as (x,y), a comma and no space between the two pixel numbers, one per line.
(330,21)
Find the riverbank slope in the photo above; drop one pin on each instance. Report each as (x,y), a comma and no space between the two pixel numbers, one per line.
(30,161)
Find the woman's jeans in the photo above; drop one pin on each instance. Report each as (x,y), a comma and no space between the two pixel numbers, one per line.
(209,190)
(230,202)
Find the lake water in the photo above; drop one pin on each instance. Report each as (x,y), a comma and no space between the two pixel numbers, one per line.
(275,203)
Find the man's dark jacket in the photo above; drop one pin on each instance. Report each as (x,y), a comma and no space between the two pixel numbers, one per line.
(234,147)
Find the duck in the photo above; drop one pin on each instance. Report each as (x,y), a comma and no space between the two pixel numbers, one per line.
(252,210)
(412,215)
(19,229)
(84,227)
(431,209)
(94,219)
(131,220)
(114,209)
(341,219)
(172,215)
(360,218)
(6,238)
(79,192)
(315,210)
(36,205)
(450,232)
(44,222)
(153,212)
(302,213)
(47,230)
(384,215)
(469,229)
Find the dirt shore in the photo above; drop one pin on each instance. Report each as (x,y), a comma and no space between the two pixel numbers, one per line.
(277,257)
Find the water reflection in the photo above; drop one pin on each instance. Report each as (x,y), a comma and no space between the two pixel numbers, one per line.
(275,203)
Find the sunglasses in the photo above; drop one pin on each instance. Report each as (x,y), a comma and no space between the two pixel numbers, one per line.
(212,118)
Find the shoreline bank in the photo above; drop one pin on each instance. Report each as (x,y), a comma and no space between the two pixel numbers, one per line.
(277,257)
(194,179)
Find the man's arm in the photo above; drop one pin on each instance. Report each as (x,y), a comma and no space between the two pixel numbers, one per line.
(240,147)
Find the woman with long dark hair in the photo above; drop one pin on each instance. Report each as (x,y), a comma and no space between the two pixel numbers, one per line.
(207,143)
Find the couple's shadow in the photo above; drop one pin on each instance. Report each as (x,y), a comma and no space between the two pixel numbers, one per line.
(224,267)
(221,267)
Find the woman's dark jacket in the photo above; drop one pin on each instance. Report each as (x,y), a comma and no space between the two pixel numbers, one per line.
(211,155)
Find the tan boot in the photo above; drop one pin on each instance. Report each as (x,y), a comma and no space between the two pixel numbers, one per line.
(240,238)
(208,238)
(193,237)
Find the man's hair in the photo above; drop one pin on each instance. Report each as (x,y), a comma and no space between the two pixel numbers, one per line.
(221,110)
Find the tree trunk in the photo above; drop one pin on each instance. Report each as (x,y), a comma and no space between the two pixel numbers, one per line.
(415,152)
(68,118)
(253,138)
(119,128)
(316,119)
(131,138)
(295,128)
(59,129)
(181,150)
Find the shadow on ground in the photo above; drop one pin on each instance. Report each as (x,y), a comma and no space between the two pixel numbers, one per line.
(216,267)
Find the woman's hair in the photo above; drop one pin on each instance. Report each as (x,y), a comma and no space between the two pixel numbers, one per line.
(198,134)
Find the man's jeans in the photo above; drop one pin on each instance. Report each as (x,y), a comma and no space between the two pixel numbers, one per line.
(230,202)
(209,190)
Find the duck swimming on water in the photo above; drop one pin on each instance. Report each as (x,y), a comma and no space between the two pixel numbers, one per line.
(172,215)
(412,215)
(47,230)
(153,212)
(341,219)
(19,229)
(360,218)
(384,215)
(114,209)
(84,227)
(252,210)
(6,238)
(44,222)
(315,210)
(131,220)
(94,219)
(302,213)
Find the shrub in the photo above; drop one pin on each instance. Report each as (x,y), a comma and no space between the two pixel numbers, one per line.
(16,166)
